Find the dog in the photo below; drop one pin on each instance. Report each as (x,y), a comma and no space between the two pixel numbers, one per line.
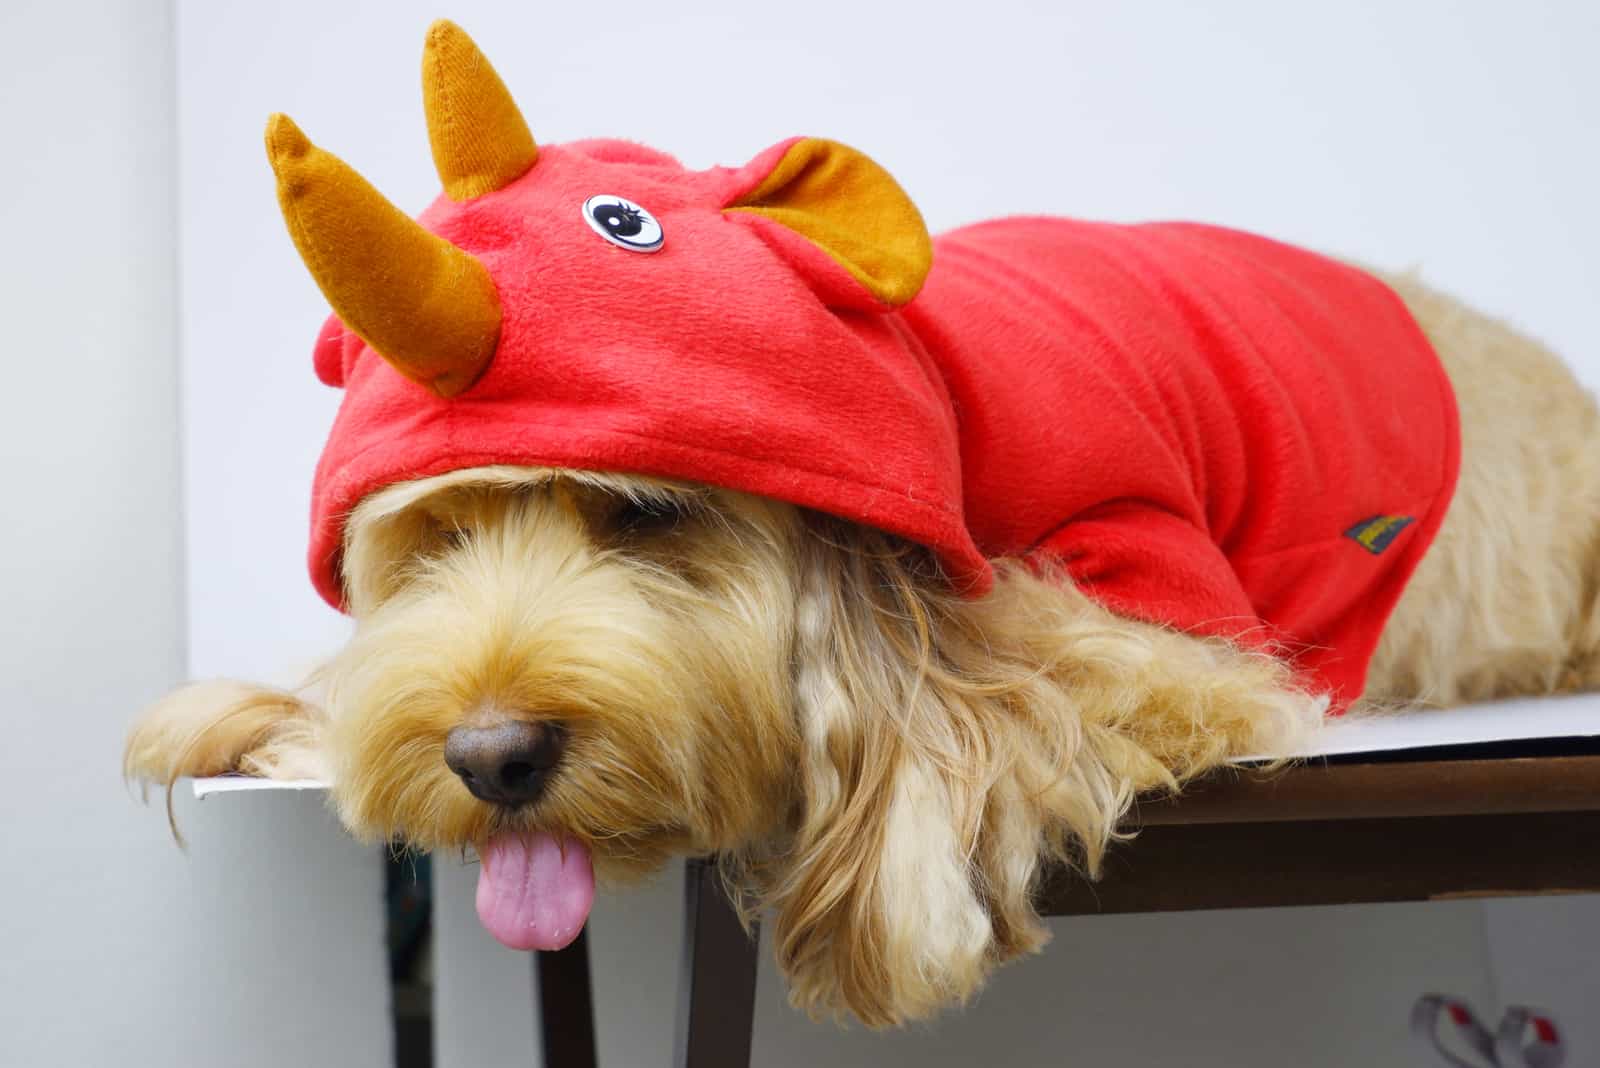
(578,655)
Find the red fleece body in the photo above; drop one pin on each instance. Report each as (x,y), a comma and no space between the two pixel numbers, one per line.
(1190,419)
(1193,420)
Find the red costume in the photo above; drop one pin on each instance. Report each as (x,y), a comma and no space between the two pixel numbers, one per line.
(1209,429)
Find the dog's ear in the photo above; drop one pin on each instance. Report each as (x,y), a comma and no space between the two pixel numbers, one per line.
(882,904)
(951,747)
(839,219)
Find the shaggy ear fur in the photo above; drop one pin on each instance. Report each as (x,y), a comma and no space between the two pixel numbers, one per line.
(879,908)
(951,747)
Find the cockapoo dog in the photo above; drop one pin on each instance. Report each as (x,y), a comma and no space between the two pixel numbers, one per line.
(672,524)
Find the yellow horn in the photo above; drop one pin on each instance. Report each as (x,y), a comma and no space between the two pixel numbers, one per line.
(480,141)
(423,304)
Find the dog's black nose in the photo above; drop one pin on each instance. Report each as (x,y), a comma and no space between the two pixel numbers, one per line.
(506,763)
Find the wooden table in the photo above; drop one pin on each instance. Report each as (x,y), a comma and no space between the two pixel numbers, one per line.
(1472,821)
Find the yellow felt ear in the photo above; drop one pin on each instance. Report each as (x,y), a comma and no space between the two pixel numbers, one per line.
(852,209)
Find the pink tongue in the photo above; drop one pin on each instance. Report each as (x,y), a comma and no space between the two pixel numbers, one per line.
(530,896)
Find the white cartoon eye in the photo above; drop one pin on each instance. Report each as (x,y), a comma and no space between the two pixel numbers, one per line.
(623,223)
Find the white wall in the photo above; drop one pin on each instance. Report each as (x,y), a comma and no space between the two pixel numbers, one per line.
(1453,135)
(115,948)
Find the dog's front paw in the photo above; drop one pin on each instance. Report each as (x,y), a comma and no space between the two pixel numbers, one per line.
(212,728)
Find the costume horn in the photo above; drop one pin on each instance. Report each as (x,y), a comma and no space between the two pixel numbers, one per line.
(427,307)
(480,141)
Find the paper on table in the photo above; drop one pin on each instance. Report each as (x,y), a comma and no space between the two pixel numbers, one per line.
(238,784)
(1517,720)
(1501,721)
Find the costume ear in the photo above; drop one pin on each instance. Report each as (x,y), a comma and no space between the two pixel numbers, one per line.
(810,195)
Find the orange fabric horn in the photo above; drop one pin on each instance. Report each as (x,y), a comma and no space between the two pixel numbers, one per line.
(427,307)
(480,141)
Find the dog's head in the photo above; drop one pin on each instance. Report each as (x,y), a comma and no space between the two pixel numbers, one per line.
(561,669)
(603,661)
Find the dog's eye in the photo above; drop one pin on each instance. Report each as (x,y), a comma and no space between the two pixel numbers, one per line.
(646,516)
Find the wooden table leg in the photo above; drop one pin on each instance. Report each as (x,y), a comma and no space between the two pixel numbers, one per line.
(566,1006)
(717,987)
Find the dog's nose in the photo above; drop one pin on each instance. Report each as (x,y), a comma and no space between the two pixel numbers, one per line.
(506,763)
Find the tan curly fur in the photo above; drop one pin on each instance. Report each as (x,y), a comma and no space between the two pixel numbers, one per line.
(883,766)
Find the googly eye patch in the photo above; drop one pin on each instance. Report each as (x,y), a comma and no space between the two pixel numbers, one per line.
(623,223)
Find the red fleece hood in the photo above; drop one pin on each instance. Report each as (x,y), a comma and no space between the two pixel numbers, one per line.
(714,359)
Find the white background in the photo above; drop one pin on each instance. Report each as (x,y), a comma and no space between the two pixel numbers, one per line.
(264,944)
(1455,136)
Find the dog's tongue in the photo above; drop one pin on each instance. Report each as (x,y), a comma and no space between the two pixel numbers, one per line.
(534,892)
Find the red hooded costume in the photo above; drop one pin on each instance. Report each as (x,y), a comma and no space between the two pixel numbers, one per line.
(1207,429)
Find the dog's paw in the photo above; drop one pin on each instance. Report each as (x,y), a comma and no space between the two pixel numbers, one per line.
(1289,723)
(213,728)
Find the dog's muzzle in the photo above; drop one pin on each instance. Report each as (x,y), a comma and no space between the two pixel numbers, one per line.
(506,763)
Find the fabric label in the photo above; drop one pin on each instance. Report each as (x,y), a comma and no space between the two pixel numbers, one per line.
(1375,534)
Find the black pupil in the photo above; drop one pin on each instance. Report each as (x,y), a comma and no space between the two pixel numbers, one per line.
(642,515)
(618,220)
